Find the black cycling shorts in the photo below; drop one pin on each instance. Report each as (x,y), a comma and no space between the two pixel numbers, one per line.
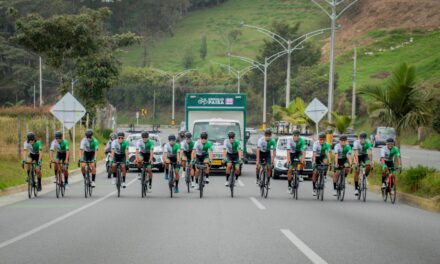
(120,158)
(265,157)
(89,156)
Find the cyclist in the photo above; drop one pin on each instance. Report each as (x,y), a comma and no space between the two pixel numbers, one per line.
(343,159)
(171,155)
(202,154)
(181,137)
(32,152)
(108,150)
(265,145)
(388,155)
(120,154)
(186,148)
(296,152)
(87,151)
(363,154)
(321,156)
(232,152)
(61,146)
(145,152)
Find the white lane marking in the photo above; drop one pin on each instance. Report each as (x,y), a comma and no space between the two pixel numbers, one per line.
(240,183)
(56,220)
(257,203)
(303,247)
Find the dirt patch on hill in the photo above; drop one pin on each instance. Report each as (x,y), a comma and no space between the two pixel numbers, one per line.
(368,15)
(381,75)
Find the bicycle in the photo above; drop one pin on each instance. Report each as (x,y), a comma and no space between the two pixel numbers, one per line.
(32,185)
(144,179)
(320,186)
(108,165)
(59,185)
(232,178)
(201,178)
(390,189)
(118,177)
(294,188)
(171,177)
(188,175)
(340,183)
(362,183)
(264,180)
(88,188)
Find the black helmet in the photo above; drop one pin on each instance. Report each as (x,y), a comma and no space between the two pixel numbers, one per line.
(188,135)
(231,134)
(121,134)
(343,138)
(58,135)
(182,133)
(363,135)
(268,132)
(172,137)
(390,140)
(204,135)
(113,136)
(296,132)
(30,136)
(145,134)
(322,135)
(89,133)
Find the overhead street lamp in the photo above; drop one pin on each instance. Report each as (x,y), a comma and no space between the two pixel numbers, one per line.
(263,68)
(334,15)
(287,46)
(174,77)
(237,73)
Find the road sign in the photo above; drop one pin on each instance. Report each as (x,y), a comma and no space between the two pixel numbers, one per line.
(316,110)
(144,112)
(68,110)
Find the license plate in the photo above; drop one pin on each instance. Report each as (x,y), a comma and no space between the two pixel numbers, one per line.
(217,162)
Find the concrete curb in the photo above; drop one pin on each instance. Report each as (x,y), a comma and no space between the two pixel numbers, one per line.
(432,205)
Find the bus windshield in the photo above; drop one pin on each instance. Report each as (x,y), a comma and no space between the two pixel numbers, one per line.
(217,131)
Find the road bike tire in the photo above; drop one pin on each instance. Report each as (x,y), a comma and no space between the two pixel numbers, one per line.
(30,184)
(232,182)
(143,191)
(188,179)
(57,185)
(322,187)
(364,189)
(171,180)
(201,183)
(34,183)
(118,181)
(262,182)
(296,186)
(342,186)
(89,181)
(393,192)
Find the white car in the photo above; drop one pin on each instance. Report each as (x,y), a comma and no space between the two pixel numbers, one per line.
(158,151)
(280,162)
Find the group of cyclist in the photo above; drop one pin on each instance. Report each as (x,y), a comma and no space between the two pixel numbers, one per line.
(183,152)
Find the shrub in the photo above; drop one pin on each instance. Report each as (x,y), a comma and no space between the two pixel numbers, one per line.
(411,179)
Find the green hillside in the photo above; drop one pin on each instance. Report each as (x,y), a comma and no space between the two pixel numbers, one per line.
(216,22)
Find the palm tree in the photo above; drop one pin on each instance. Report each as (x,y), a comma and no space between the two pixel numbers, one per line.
(399,103)
(340,122)
(294,113)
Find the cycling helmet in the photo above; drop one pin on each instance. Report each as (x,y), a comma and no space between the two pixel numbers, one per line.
(145,134)
(231,134)
(58,135)
(188,135)
(172,137)
(390,141)
(121,134)
(268,132)
(113,136)
(89,133)
(343,138)
(204,135)
(322,136)
(296,132)
(363,135)
(30,136)
(182,133)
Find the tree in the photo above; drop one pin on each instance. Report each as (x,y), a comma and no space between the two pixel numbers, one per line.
(188,59)
(399,103)
(203,48)
(293,114)
(340,122)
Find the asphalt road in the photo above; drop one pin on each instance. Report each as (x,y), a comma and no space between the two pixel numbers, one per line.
(413,156)
(215,229)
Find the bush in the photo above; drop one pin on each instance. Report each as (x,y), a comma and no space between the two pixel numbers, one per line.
(411,179)
(431,142)
(106,133)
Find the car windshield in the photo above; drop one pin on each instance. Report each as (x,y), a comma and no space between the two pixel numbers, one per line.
(253,139)
(386,131)
(133,139)
(282,143)
(217,131)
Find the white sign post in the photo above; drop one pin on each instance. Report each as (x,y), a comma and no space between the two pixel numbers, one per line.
(316,111)
(137,118)
(69,111)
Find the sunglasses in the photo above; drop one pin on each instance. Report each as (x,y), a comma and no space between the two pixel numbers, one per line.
(120,137)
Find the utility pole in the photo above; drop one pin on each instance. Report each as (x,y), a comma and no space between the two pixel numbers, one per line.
(41,83)
(333,15)
(353,103)
(34,95)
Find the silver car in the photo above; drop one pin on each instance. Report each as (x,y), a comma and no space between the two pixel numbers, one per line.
(280,162)
(158,151)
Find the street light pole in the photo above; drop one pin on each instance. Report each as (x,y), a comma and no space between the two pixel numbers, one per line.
(334,15)
(289,54)
(237,73)
(353,103)
(41,82)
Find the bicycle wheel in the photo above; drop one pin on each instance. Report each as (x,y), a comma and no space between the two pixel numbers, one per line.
(188,179)
(118,181)
(143,190)
(295,185)
(57,184)
(393,193)
(232,182)
(86,186)
(364,188)
(30,184)
(171,180)
(385,192)
(262,181)
(266,187)
(34,183)
(342,186)
(201,183)
(321,187)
